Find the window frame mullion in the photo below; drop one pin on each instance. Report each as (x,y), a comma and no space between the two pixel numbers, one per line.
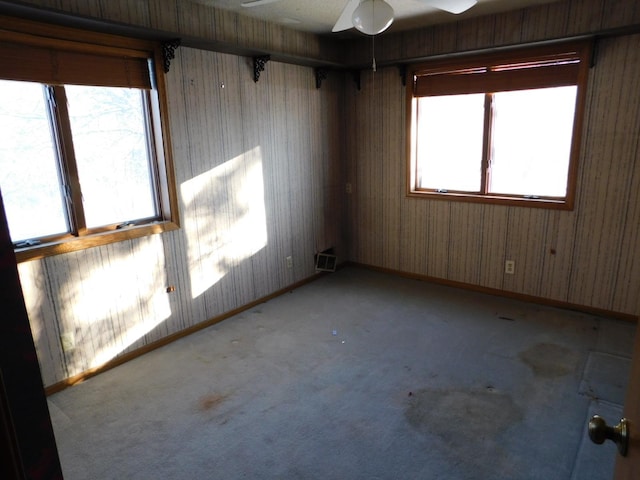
(69,168)
(485,180)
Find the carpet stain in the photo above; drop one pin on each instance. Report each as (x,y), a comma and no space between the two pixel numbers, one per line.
(211,401)
(449,412)
(470,424)
(549,360)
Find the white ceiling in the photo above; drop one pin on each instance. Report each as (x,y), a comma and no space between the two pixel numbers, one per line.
(319,16)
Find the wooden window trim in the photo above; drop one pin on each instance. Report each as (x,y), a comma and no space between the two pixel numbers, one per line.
(573,74)
(35,34)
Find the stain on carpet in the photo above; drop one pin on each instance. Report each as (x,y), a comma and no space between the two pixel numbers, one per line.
(211,401)
(472,425)
(549,360)
(448,412)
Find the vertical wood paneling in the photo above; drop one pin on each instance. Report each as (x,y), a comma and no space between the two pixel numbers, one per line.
(547,21)
(605,172)
(164,15)
(393,166)
(525,245)
(250,170)
(295,136)
(239,199)
(79,7)
(445,38)
(559,238)
(586,15)
(438,238)
(34,277)
(416,42)
(508,28)
(493,246)
(278,85)
(368,194)
(585,256)
(413,240)
(198,20)
(182,82)
(465,241)
(300,86)
(384,48)
(608,174)
(126,11)
(550,21)
(620,12)
(256,105)
(478,33)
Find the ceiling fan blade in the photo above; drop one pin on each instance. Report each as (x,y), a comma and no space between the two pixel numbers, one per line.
(345,22)
(452,6)
(257,3)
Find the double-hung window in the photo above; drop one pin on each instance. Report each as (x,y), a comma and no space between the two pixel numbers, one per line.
(84,157)
(500,128)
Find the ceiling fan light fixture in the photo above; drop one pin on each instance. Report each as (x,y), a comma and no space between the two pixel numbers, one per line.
(372,16)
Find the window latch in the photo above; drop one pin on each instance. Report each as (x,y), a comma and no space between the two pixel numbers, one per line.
(442,190)
(26,243)
(125,225)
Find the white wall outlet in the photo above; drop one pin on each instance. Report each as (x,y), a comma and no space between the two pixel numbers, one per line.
(289,262)
(510,267)
(68,341)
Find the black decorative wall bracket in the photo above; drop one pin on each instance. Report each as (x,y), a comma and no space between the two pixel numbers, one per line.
(403,74)
(169,52)
(259,63)
(321,74)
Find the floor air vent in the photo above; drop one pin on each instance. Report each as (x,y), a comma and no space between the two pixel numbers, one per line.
(326,262)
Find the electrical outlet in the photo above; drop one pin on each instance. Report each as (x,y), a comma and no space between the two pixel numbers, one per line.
(510,267)
(348,188)
(68,341)
(289,262)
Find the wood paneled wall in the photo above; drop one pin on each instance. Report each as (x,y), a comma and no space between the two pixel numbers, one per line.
(555,20)
(259,179)
(186,18)
(596,261)
(261,169)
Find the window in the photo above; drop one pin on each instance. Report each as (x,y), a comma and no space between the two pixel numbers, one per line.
(500,128)
(84,159)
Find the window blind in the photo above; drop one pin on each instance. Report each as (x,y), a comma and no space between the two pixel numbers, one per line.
(542,67)
(63,64)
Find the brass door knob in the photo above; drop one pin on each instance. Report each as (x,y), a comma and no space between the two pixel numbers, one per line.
(599,431)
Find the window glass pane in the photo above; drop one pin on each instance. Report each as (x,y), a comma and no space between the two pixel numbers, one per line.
(532,131)
(110,143)
(29,177)
(449,148)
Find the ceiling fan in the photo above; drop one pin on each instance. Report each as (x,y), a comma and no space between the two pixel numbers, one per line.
(375,16)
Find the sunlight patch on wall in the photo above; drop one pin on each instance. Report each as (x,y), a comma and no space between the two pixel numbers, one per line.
(115,303)
(224,218)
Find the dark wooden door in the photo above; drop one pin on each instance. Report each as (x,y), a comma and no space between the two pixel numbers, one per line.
(26,435)
(628,468)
